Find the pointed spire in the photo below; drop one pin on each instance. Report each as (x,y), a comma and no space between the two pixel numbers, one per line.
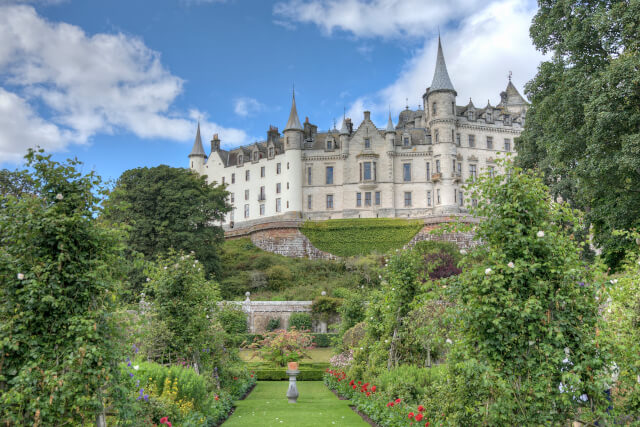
(390,127)
(441,80)
(344,130)
(198,149)
(294,122)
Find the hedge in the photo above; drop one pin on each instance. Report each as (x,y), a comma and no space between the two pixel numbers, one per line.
(321,340)
(360,236)
(280,374)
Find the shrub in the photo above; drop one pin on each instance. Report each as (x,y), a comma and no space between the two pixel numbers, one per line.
(354,335)
(300,321)
(351,311)
(280,347)
(349,237)
(273,324)
(409,383)
(324,307)
(232,318)
(279,277)
(324,340)
(270,374)
(441,265)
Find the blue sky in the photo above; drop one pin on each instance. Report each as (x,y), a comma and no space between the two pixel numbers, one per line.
(121,84)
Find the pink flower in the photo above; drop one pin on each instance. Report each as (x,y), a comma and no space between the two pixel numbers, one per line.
(164,420)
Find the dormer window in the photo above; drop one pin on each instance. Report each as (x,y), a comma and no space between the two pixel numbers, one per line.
(240,160)
(271,152)
(329,144)
(470,115)
(488,116)
(255,156)
(507,120)
(405,141)
(367,143)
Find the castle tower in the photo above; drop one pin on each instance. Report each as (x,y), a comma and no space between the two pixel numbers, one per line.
(390,133)
(293,134)
(197,158)
(440,112)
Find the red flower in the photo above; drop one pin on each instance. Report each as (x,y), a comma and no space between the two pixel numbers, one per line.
(351,382)
(373,388)
(251,375)
(359,382)
(420,408)
(235,378)
(391,404)
(411,414)
(419,417)
(398,400)
(168,424)
(217,398)
(164,420)
(354,386)
(426,424)
(368,393)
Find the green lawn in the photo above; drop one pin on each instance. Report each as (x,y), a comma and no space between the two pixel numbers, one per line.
(318,355)
(267,405)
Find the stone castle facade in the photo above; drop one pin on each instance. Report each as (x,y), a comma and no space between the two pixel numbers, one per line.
(415,169)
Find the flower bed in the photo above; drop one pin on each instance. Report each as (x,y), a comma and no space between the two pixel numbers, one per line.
(368,400)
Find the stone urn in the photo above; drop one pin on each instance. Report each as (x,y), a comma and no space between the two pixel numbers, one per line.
(292,366)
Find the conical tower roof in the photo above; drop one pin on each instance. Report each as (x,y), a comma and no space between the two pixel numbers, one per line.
(198,149)
(441,80)
(294,122)
(390,127)
(344,130)
(513,96)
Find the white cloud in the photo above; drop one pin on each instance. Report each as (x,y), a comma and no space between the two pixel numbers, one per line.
(86,85)
(481,47)
(246,106)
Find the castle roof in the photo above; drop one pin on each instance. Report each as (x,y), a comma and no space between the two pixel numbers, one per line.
(198,149)
(294,122)
(390,127)
(441,80)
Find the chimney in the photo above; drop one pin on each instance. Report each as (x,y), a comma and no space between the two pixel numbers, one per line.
(215,143)
(367,115)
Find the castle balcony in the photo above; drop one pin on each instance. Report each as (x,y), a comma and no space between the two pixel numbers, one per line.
(435,177)
(457,176)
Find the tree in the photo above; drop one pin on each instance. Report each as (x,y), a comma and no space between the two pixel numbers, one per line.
(58,345)
(583,127)
(15,183)
(167,207)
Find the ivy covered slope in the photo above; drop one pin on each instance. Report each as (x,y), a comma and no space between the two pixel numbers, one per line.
(360,236)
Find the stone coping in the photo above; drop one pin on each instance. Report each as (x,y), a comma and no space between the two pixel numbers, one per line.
(268,302)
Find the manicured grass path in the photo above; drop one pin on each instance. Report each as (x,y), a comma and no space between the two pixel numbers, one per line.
(267,405)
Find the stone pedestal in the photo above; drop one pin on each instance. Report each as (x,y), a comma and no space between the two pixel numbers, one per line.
(292,392)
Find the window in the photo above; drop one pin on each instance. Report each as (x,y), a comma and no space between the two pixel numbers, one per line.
(507,145)
(437,136)
(231,215)
(329,201)
(454,166)
(507,120)
(278,188)
(262,172)
(329,144)
(278,205)
(473,172)
(261,209)
(246,194)
(287,185)
(287,165)
(460,200)
(233,198)
(278,168)
(459,168)
(453,108)
(233,178)
(240,160)
(378,198)
(470,115)
(455,196)
(405,141)
(309,175)
(246,211)
(367,171)
(358,200)
(472,140)
(492,171)
(367,198)
(474,202)
(458,139)
(246,175)
(287,204)
(308,202)
(271,152)
(262,195)
(407,198)
(489,116)
(437,166)
(490,142)
(428,171)
(434,109)
(428,198)
(406,172)
(367,143)
(255,156)
(329,174)
(438,195)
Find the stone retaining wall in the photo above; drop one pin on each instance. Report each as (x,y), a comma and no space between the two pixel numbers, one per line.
(260,312)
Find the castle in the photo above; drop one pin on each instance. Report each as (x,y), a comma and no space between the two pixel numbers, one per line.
(414,169)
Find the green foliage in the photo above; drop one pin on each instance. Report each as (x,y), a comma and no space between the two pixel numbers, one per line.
(167,207)
(349,237)
(16,183)
(300,321)
(324,307)
(57,329)
(352,310)
(409,383)
(353,335)
(322,340)
(280,347)
(182,302)
(279,277)
(583,127)
(273,324)
(527,310)
(306,374)
(232,318)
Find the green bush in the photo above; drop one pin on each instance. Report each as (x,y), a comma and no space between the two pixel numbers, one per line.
(349,237)
(300,321)
(409,383)
(354,335)
(272,374)
(279,277)
(324,307)
(232,318)
(323,340)
(272,325)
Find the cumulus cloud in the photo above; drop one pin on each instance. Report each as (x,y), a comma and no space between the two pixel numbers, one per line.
(246,106)
(61,86)
(482,42)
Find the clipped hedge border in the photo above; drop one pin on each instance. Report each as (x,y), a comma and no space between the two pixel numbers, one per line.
(321,340)
(360,236)
(279,374)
